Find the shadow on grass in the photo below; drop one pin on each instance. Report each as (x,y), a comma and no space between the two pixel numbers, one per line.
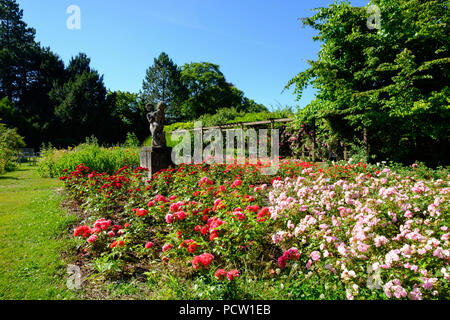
(6,175)
(8,178)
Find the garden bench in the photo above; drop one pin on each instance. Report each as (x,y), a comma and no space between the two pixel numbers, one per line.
(28,154)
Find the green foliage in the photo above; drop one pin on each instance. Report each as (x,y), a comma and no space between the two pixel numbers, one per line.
(10,142)
(209,92)
(163,83)
(179,126)
(128,112)
(8,114)
(131,140)
(230,115)
(208,89)
(262,116)
(27,73)
(392,81)
(81,104)
(222,116)
(106,265)
(16,47)
(98,158)
(126,106)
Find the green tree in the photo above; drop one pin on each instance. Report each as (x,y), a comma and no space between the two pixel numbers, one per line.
(82,108)
(27,74)
(16,46)
(208,90)
(8,114)
(126,106)
(130,110)
(162,82)
(36,108)
(392,81)
(242,103)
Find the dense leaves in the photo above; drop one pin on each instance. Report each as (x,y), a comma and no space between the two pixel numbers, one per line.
(163,83)
(10,142)
(209,91)
(27,74)
(100,159)
(393,81)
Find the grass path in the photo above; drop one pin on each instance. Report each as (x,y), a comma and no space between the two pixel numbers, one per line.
(32,227)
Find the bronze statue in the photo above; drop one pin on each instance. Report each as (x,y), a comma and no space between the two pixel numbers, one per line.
(156,120)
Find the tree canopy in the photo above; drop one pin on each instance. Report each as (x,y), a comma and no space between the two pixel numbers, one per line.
(80,102)
(209,91)
(195,89)
(391,81)
(27,74)
(162,82)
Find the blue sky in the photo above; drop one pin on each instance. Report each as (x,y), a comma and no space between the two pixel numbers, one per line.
(258,44)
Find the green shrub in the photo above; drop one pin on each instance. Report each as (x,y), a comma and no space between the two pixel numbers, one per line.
(222,116)
(132,140)
(97,158)
(261,116)
(10,142)
(179,126)
(230,115)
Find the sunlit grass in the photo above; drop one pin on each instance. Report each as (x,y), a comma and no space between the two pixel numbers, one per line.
(32,237)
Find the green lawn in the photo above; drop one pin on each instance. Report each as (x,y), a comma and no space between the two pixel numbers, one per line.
(33,233)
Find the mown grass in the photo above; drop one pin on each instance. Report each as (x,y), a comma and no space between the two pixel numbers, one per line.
(33,235)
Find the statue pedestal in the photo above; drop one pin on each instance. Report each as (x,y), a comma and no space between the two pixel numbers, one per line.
(155,159)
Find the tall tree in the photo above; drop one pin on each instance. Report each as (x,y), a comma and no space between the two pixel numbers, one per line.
(81,105)
(16,46)
(27,74)
(162,82)
(36,108)
(392,81)
(208,90)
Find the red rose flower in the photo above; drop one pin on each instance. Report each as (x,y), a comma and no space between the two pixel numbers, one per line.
(203,260)
(232,274)
(220,274)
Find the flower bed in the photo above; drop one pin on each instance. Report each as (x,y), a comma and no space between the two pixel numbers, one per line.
(355,231)
(372,232)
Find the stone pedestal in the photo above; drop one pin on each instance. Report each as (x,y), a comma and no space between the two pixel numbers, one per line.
(156,159)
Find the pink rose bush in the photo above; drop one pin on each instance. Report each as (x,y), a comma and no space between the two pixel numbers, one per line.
(397,224)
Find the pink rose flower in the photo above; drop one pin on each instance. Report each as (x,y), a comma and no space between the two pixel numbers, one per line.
(315,255)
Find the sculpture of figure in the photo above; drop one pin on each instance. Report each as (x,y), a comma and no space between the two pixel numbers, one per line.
(156,120)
